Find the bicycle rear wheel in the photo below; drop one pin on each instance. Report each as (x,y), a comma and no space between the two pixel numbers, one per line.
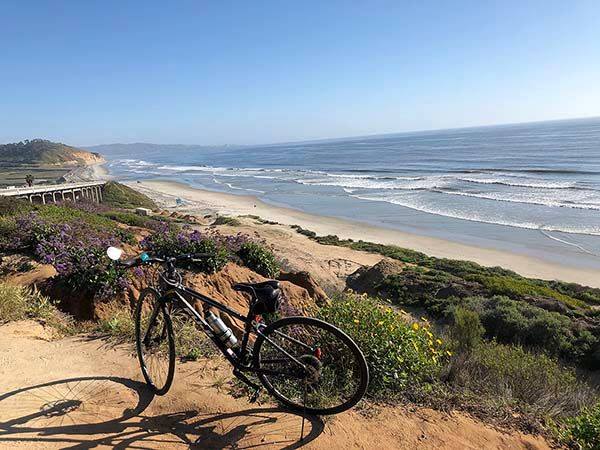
(335,376)
(155,342)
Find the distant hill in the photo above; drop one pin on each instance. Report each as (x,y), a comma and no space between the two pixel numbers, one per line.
(42,152)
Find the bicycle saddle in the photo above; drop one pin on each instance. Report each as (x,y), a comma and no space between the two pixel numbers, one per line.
(267,295)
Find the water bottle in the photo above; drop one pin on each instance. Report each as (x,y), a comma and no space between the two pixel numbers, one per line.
(222,331)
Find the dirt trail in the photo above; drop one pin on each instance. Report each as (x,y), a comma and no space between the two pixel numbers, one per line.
(83,393)
(328,264)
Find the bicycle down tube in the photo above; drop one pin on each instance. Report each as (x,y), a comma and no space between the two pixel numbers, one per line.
(236,361)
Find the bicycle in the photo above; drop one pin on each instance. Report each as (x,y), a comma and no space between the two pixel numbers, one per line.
(307,364)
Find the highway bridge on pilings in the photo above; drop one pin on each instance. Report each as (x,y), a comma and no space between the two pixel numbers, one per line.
(52,193)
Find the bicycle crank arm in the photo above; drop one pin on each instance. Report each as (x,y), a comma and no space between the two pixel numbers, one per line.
(240,376)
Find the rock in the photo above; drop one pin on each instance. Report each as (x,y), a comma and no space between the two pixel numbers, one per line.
(460,289)
(306,281)
(366,279)
(547,303)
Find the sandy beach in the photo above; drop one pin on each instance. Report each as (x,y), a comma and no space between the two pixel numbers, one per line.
(204,202)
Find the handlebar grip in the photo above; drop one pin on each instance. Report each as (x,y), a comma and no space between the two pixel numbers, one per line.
(193,256)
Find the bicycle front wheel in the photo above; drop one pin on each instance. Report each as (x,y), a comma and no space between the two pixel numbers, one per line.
(335,375)
(155,341)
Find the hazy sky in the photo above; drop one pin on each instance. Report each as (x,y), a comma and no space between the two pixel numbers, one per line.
(92,72)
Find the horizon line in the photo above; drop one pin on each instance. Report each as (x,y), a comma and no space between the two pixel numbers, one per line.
(371,135)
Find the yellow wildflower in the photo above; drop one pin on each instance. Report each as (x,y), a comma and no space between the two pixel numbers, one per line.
(415,326)
(355,320)
(439,341)
(449,353)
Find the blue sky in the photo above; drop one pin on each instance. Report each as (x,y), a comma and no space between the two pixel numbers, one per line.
(93,72)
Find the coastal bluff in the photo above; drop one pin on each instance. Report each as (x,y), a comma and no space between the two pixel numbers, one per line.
(40,152)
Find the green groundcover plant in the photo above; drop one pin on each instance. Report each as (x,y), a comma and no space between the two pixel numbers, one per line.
(401,356)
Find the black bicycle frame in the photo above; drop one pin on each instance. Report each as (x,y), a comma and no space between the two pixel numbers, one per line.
(237,360)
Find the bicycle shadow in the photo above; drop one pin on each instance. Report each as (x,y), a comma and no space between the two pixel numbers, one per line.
(87,412)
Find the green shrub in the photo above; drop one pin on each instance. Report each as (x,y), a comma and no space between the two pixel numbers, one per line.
(134,220)
(170,242)
(67,213)
(226,220)
(120,196)
(14,302)
(401,357)
(510,320)
(308,233)
(582,431)
(259,258)
(497,279)
(519,322)
(18,303)
(8,228)
(517,287)
(191,343)
(10,206)
(510,375)
(467,331)
(117,322)
(584,293)
(417,286)
(76,249)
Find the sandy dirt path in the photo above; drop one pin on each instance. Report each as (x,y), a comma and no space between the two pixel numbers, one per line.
(84,393)
(329,265)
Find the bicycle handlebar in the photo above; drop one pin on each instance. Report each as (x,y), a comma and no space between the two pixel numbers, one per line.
(145,258)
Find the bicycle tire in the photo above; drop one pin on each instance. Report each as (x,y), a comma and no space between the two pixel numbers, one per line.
(361,369)
(156,385)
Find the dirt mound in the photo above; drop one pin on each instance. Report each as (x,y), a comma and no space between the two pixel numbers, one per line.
(219,286)
(24,271)
(367,279)
(82,304)
(306,281)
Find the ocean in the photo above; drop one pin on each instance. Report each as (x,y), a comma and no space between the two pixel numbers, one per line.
(529,188)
